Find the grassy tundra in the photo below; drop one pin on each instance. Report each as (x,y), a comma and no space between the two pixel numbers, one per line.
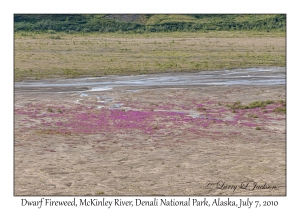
(41,55)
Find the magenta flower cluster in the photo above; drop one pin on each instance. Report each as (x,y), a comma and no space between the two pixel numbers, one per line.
(162,120)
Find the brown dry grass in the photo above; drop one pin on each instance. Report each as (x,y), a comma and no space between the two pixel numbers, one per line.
(40,56)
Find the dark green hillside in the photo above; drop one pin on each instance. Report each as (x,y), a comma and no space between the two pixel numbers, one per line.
(135,23)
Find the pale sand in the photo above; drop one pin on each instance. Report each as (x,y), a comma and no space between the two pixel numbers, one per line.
(180,163)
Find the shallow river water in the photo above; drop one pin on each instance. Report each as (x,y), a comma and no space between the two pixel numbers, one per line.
(250,76)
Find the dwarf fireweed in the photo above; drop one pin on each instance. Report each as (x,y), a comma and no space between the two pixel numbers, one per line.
(163,119)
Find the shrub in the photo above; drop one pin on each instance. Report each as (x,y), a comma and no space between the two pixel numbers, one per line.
(252,105)
(280,110)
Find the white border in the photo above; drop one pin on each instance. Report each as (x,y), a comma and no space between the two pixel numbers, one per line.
(7,201)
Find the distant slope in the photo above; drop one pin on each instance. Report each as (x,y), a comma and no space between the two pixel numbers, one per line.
(141,23)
